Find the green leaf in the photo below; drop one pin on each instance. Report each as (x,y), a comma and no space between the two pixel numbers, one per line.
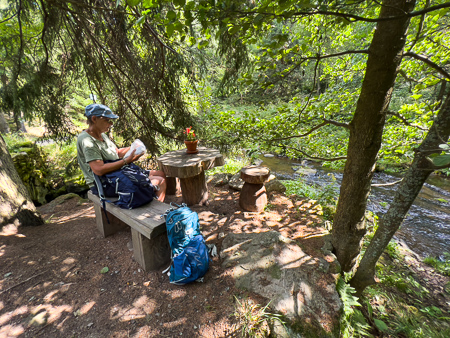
(140,20)
(133,3)
(171,15)
(117,3)
(381,325)
(441,160)
(180,3)
(169,29)
(234,29)
(416,96)
(104,270)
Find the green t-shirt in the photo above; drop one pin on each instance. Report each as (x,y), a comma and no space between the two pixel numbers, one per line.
(90,149)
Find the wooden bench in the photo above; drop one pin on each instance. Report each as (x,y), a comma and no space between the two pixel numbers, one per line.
(148,230)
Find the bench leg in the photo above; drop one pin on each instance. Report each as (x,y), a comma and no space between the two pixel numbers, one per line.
(103,226)
(151,254)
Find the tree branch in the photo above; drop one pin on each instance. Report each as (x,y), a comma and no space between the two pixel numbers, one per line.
(404,120)
(430,63)
(324,123)
(386,184)
(347,16)
(7,19)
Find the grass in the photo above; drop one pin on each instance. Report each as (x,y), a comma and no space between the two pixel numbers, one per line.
(441,264)
(255,320)
(232,166)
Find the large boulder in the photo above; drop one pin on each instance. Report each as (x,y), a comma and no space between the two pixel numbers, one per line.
(219,179)
(274,185)
(236,182)
(299,286)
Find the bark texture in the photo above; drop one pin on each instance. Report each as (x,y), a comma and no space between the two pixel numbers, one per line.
(366,129)
(4,127)
(15,203)
(407,192)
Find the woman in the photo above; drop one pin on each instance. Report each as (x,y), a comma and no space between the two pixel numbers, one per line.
(94,147)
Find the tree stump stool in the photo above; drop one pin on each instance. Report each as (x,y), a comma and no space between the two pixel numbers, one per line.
(253,195)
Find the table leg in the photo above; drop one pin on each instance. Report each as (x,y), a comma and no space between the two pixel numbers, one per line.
(172,185)
(194,189)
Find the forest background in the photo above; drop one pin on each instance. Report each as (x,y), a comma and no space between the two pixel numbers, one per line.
(357,85)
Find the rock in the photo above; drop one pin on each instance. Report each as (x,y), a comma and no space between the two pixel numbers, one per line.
(300,286)
(269,155)
(306,171)
(40,319)
(236,182)
(220,179)
(275,186)
(50,207)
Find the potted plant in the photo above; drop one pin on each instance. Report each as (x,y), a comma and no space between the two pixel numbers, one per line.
(190,141)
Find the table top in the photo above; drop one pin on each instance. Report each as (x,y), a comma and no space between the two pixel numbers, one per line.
(179,164)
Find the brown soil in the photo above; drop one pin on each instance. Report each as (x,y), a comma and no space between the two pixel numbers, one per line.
(51,285)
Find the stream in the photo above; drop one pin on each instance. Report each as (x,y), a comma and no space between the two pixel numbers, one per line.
(425,230)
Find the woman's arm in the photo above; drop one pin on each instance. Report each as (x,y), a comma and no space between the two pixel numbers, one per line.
(101,168)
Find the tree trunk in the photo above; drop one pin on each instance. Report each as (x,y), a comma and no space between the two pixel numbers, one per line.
(4,128)
(15,203)
(410,187)
(366,130)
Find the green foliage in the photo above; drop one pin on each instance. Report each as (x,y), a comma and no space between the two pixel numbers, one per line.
(326,195)
(231,166)
(440,265)
(352,322)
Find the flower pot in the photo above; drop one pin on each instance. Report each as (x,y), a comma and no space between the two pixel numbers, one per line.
(191,147)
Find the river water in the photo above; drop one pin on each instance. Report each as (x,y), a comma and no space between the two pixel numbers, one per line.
(425,230)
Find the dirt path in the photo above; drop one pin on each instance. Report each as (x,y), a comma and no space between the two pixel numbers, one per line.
(51,285)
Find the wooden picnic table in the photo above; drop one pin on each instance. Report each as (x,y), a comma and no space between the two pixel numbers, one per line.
(190,169)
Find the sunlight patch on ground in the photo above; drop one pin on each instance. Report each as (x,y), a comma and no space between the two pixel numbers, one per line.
(53,312)
(127,314)
(87,307)
(49,297)
(11,230)
(10,315)
(146,304)
(174,294)
(175,323)
(68,261)
(11,330)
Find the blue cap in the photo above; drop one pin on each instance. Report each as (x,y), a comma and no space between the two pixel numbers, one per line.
(96,109)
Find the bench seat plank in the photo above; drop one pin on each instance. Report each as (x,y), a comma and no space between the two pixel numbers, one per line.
(146,219)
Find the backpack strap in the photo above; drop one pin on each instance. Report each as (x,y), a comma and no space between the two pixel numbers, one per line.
(102,196)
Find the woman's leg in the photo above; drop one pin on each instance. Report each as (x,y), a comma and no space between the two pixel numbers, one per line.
(159,173)
(162,185)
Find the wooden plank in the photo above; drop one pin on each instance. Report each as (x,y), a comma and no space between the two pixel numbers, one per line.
(146,220)
(105,228)
(151,254)
(179,164)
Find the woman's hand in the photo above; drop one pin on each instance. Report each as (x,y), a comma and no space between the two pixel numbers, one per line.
(132,157)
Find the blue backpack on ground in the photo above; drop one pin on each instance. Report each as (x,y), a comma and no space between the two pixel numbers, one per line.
(190,259)
(130,183)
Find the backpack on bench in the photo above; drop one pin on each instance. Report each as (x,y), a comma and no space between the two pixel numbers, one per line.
(190,259)
(130,183)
